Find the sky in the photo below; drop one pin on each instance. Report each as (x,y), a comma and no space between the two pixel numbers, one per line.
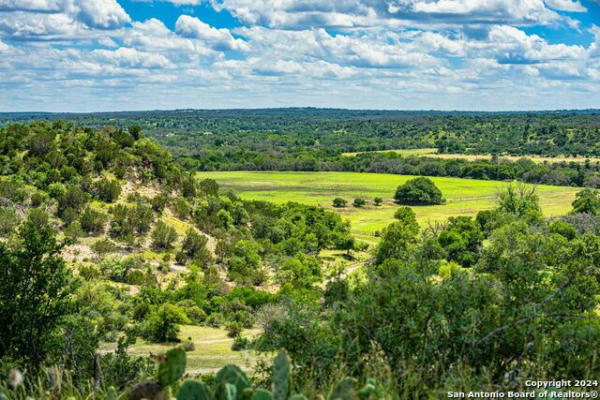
(112,55)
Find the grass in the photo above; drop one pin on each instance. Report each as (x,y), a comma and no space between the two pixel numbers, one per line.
(464,196)
(432,153)
(212,349)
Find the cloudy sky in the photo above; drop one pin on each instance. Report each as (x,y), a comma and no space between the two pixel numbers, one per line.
(98,55)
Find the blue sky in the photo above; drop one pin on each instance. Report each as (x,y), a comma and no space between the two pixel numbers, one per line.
(99,55)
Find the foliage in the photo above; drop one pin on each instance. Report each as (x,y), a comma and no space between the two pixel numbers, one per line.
(163,236)
(587,201)
(35,285)
(419,191)
(358,202)
(338,202)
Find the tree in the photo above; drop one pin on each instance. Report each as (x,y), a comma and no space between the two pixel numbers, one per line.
(419,191)
(209,186)
(338,202)
(586,201)
(92,221)
(108,190)
(34,294)
(162,325)
(407,216)
(358,202)
(136,132)
(193,243)
(163,236)
(520,200)
(397,242)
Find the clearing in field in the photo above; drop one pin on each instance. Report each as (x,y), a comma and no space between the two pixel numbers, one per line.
(433,153)
(212,349)
(463,196)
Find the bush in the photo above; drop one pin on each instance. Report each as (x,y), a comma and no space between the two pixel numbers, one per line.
(92,221)
(418,192)
(358,203)
(377,201)
(338,202)
(240,343)
(234,329)
(162,325)
(108,190)
(163,236)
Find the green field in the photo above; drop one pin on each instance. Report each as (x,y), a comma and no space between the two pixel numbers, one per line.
(464,196)
(433,153)
(212,349)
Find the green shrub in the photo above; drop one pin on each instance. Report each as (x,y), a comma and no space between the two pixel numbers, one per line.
(338,202)
(418,192)
(163,236)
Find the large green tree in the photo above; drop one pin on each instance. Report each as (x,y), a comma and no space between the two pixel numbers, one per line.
(34,293)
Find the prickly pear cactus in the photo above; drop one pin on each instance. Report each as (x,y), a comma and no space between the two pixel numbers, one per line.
(172,368)
(298,397)
(344,390)
(194,390)
(111,393)
(281,376)
(227,392)
(261,394)
(368,390)
(234,376)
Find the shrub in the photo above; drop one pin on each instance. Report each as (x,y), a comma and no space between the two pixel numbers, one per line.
(92,221)
(587,201)
(338,202)
(419,191)
(377,201)
(162,325)
(358,203)
(234,329)
(163,236)
(108,190)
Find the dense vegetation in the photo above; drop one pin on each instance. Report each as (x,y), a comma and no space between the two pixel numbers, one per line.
(105,238)
(420,191)
(315,139)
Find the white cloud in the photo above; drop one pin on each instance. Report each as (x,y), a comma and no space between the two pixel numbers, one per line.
(32,5)
(104,14)
(361,13)
(566,5)
(219,39)
(128,57)
(386,53)
(59,19)
(26,25)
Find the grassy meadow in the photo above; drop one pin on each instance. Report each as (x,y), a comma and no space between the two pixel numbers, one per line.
(212,349)
(432,153)
(463,196)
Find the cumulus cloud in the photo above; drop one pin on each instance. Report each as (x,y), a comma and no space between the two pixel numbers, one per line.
(219,39)
(344,53)
(26,25)
(128,57)
(566,5)
(104,14)
(55,19)
(32,5)
(361,13)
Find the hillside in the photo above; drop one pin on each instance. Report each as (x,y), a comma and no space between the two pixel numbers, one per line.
(148,246)
(118,265)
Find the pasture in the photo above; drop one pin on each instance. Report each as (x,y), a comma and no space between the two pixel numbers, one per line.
(212,349)
(463,196)
(432,153)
